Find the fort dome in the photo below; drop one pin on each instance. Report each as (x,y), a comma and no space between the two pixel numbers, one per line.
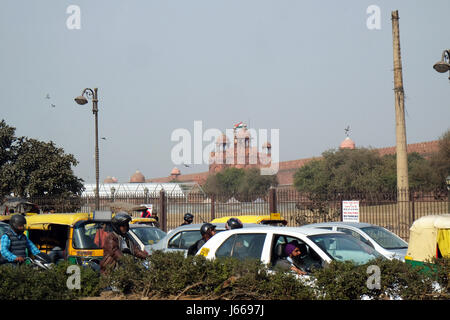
(137,177)
(347,144)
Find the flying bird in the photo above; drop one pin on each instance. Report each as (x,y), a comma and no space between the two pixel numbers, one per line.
(347,130)
(104,138)
(47,96)
(53,105)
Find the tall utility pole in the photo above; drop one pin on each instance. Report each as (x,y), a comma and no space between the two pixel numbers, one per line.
(400,127)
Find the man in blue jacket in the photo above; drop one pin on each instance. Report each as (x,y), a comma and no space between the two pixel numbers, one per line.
(15,245)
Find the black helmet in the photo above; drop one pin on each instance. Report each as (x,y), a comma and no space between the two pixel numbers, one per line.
(120,219)
(189,217)
(233,223)
(16,221)
(206,228)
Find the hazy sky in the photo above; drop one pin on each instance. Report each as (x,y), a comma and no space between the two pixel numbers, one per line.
(307,68)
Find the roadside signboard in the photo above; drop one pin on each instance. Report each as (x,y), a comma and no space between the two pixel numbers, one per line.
(350,211)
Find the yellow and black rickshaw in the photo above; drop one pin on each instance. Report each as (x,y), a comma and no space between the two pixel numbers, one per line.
(75,237)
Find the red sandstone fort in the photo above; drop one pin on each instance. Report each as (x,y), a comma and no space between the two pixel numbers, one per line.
(240,154)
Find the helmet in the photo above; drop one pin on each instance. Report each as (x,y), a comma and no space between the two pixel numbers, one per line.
(120,219)
(16,221)
(206,228)
(233,223)
(188,217)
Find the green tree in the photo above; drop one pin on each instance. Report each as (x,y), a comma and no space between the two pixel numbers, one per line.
(239,183)
(363,170)
(343,170)
(440,161)
(31,167)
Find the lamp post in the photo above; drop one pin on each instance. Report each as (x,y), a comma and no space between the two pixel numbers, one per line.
(82,100)
(444,65)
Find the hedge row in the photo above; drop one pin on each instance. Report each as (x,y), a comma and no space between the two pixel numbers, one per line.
(172,276)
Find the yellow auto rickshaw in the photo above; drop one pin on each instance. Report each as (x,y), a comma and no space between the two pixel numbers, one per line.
(75,237)
(273,219)
(429,238)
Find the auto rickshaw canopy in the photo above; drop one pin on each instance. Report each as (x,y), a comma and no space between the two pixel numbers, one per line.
(427,234)
(41,221)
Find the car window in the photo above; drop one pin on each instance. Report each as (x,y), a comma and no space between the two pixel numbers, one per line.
(308,259)
(148,235)
(385,238)
(184,239)
(355,235)
(343,247)
(242,246)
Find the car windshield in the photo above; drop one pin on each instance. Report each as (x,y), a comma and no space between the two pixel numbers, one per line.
(385,238)
(148,235)
(89,235)
(342,247)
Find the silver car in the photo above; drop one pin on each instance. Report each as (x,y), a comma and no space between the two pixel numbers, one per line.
(146,235)
(382,240)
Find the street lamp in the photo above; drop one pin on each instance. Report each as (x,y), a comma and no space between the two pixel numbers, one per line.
(444,65)
(82,100)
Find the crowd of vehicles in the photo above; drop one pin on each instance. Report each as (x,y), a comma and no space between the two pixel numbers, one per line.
(78,237)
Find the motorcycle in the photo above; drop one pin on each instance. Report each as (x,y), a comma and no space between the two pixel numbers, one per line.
(40,261)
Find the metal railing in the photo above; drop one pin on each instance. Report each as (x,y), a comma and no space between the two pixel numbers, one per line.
(395,211)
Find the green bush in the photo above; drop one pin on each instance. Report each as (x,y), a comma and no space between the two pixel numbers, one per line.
(398,280)
(26,283)
(171,274)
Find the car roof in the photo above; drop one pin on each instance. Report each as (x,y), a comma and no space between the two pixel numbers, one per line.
(358,225)
(138,225)
(302,230)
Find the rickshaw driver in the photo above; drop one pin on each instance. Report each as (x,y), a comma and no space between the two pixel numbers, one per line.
(14,243)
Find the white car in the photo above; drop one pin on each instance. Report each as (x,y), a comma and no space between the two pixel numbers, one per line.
(382,240)
(319,247)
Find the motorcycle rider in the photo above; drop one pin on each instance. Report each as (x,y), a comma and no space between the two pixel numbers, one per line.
(119,242)
(14,243)
(188,219)
(207,230)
